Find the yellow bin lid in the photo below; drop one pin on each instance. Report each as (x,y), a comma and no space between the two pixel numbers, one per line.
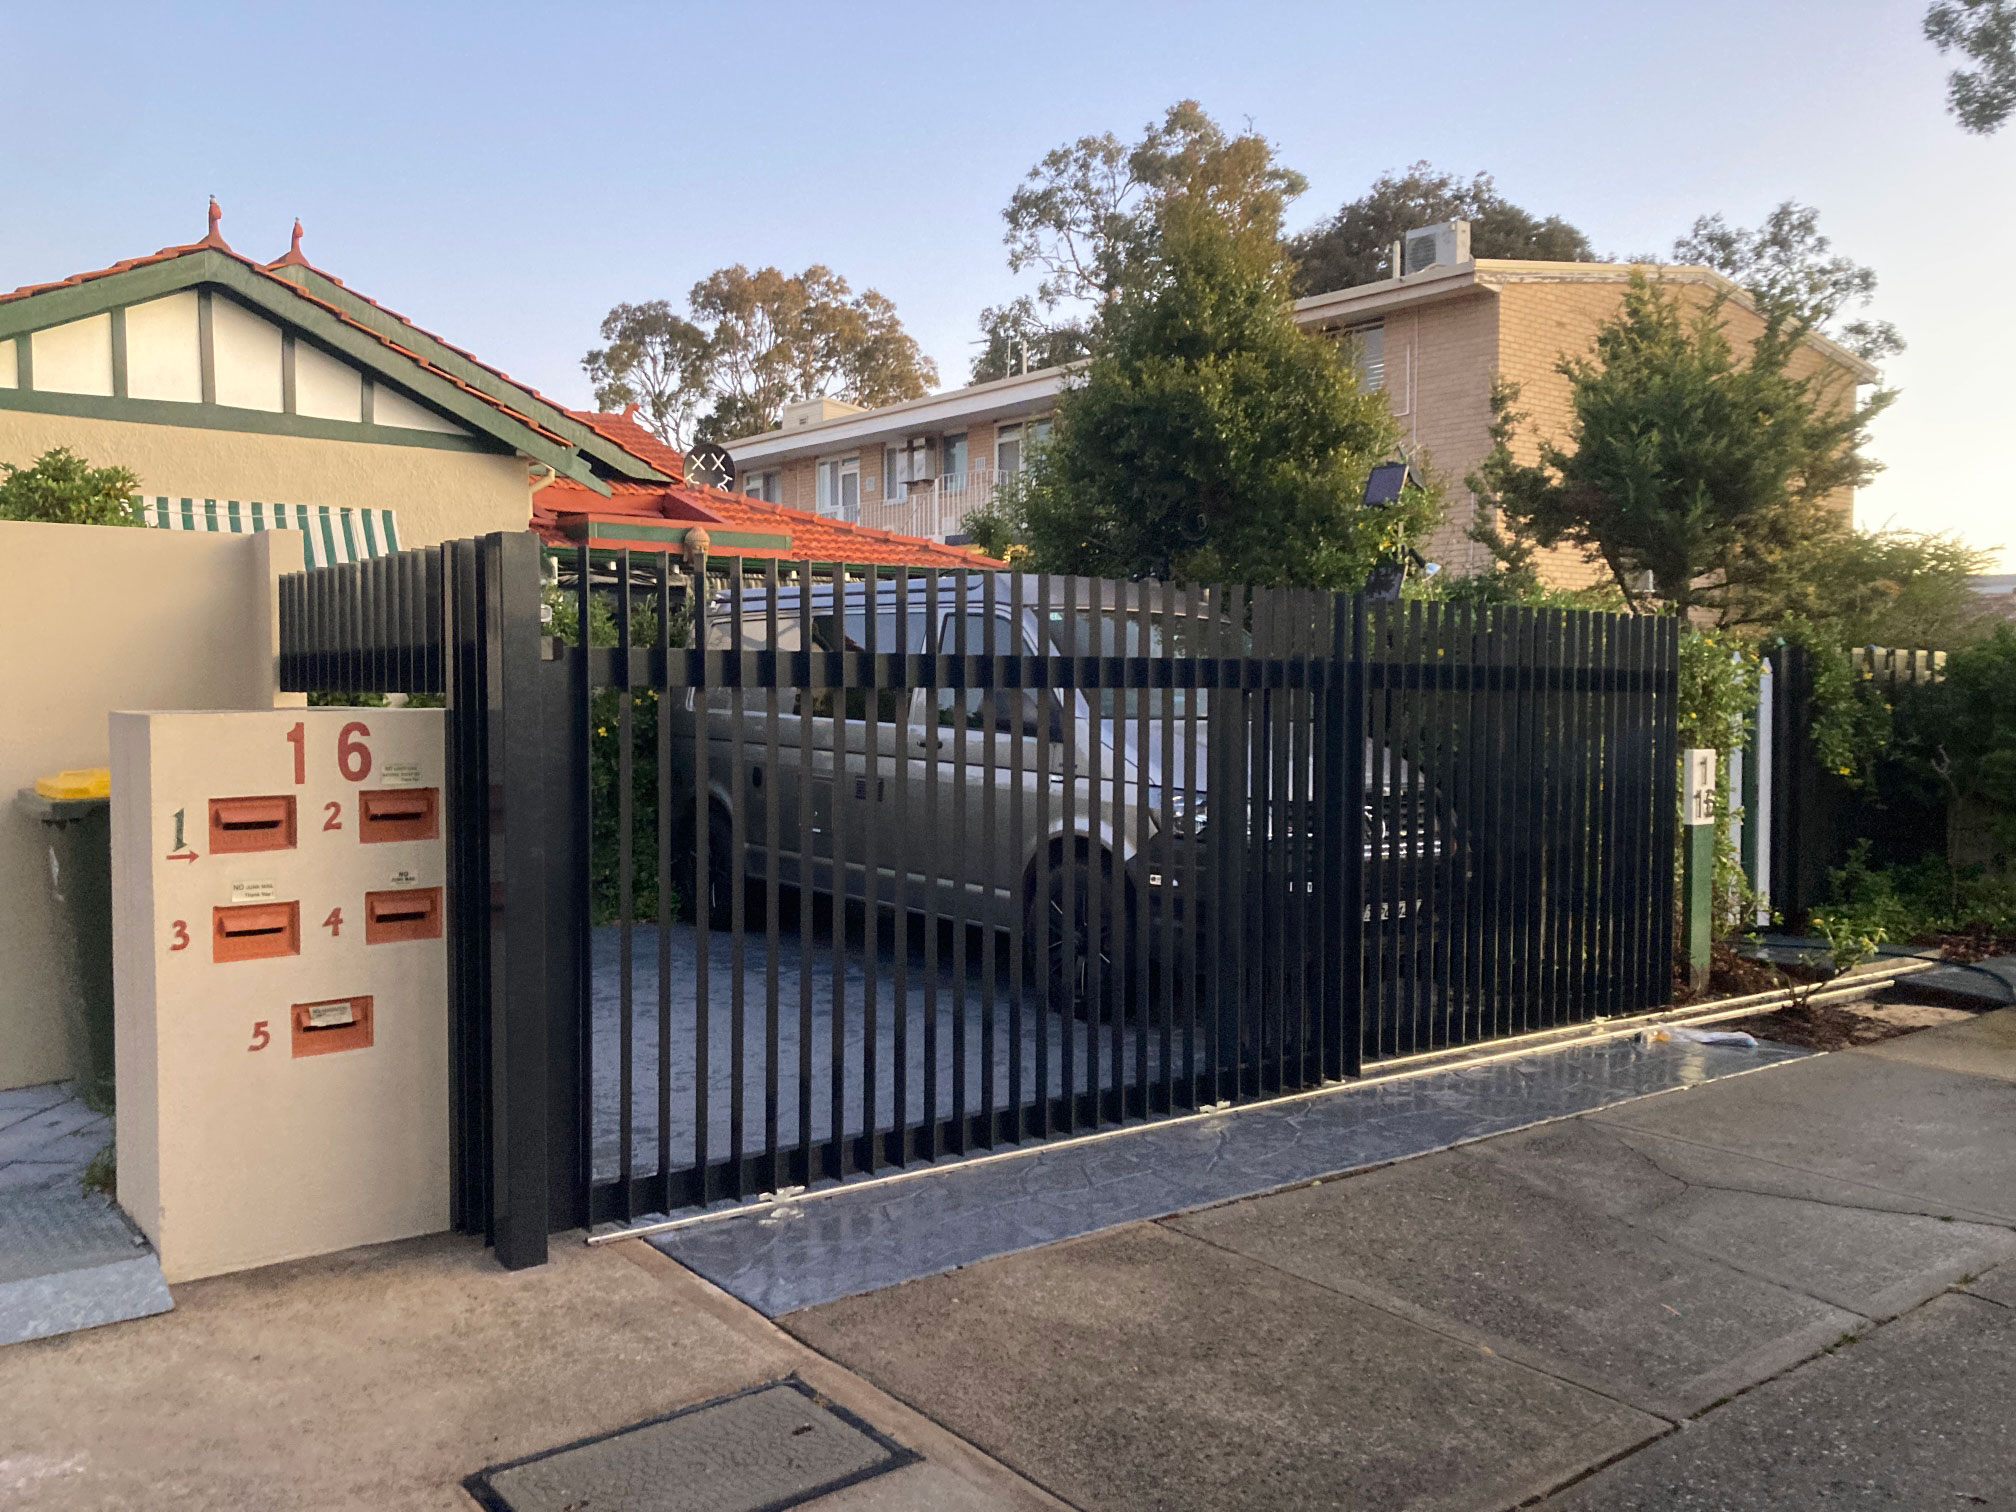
(87,782)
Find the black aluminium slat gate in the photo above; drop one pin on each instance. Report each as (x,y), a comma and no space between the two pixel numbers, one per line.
(824,871)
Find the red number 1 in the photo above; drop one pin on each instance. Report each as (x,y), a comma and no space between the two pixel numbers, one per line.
(298,738)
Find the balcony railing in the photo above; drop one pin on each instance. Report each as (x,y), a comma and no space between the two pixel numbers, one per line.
(936,509)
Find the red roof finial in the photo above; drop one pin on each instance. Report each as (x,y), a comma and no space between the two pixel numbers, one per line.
(215,238)
(292,258)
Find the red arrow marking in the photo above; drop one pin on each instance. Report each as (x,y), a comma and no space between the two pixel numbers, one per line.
(182,856)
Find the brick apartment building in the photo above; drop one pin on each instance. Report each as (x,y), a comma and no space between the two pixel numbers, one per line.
(1432,339)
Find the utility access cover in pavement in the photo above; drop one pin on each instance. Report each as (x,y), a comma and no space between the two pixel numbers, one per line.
(761,1450)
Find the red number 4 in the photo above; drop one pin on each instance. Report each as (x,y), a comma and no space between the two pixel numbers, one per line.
(334,923)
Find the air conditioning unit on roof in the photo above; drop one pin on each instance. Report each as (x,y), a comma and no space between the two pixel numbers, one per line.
(1435,246)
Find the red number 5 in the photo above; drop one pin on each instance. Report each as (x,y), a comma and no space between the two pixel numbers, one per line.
(261,1036)
(353,757)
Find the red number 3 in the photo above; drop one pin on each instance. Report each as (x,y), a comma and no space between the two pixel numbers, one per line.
(180,939)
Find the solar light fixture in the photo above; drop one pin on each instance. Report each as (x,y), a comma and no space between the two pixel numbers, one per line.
(1384,483)
(1382,585)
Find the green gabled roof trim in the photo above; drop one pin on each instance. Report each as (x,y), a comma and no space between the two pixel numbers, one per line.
(471,372)
(207,266)
(224,417)
(595,531)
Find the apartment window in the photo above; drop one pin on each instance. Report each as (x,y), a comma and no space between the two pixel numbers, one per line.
(1013,442)
(1368,354)
(954,448)
(840,488)
(903,464)
(762,485)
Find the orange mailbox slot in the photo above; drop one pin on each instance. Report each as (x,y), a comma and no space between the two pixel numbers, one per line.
(251,824)
(414,914)
(333,1024)
(255,931)
(399,814)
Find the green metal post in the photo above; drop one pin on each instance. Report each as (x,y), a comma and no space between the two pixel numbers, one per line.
(1697,891)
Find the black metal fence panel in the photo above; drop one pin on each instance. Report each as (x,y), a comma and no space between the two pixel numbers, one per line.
(822,871)
(938,864)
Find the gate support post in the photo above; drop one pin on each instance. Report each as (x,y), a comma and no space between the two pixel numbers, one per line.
(1344,734)
(519,998)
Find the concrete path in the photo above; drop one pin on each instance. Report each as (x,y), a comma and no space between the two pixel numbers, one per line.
(69,1258)
(1786,1289)
(1790,1288)
(379,1378)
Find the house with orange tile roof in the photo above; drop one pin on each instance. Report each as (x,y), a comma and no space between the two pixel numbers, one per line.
(696,520)
(250,395)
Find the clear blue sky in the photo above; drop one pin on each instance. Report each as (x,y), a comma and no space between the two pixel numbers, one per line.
(503,174)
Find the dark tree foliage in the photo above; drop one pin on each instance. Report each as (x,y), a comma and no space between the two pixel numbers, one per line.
(657,360)
(1786,266)
(757,340)
(1090,212)
(1709,471)
(1983,31)
(1019,340)
(1354,246)
(1212,439)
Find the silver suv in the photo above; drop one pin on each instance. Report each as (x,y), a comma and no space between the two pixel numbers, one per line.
(940,810)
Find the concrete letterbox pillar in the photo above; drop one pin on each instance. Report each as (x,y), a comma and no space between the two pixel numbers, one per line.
(280,969)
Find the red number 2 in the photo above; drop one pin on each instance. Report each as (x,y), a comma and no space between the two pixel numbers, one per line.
(353,757)
(261,1036)
(335,819)
(298,738)
(334,923)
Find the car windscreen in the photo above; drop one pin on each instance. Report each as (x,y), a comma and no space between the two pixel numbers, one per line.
(1106,632)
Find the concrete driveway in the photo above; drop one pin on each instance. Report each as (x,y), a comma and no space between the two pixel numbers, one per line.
(1787,1289)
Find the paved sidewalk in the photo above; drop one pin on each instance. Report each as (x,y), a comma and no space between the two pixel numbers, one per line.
(377,1379)
(1786,1289)
(1789,1288)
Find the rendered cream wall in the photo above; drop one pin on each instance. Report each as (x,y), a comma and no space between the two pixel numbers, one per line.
(74,358)
(438,495)
(247,358)
(163,351)
(96,619)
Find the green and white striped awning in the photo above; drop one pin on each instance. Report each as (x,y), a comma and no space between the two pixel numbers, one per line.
(329,533)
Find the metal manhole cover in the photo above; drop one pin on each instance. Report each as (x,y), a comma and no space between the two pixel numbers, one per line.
(763,1449)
